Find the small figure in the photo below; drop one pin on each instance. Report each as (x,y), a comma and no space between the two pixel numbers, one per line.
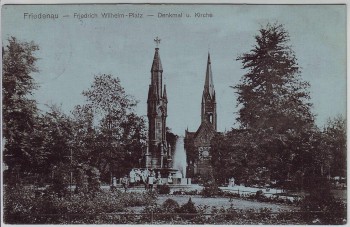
(132,176)
(137,176)
(125,182)
(145,178)
(232,182)
(151,181)
(170,179)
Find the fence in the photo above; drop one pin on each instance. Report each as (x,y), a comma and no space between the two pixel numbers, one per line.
(154,217)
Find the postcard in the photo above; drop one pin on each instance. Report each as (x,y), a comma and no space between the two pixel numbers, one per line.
(174,113)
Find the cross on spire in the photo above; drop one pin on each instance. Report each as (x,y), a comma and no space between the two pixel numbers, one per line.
(157,41)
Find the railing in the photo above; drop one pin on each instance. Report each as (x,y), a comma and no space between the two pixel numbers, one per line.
(151,217)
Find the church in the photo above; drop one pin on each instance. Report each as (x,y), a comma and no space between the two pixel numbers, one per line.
(197,144)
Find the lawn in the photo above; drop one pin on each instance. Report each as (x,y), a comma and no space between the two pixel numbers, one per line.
(221,202)
(225,202)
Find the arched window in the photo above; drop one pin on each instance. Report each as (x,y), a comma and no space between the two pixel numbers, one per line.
(210,118)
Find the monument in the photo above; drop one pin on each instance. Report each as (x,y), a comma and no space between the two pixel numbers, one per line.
(158,155)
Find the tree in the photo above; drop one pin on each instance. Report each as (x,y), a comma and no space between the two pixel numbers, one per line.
(85,135)
(274,102)
(234,154)
(335,145)
(107,119)
(272,94)
(54,133)
(19,110)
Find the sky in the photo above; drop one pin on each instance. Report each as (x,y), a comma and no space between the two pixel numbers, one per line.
(73,50)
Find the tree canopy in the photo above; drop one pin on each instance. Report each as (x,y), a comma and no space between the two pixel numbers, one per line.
(276,123)
(19,108)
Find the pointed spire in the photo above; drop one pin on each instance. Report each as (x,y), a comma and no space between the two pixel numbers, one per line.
(157,64)
(164,93)
(209,85)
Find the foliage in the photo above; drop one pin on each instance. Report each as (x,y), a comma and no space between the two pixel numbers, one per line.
(19,110)
(277,138)
(221,215)
(60,180)
(94,179)
(271,93)
(23,206)
(191,157)
(138,199)
(321,205)
(211,189)
(87,179)
(170,206)
(171,138)
(108,127)
(334,142)
(163,189)
(54,138)
(274,103)
(192,192)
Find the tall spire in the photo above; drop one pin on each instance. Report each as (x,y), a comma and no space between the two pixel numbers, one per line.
(157,64)
(209,85)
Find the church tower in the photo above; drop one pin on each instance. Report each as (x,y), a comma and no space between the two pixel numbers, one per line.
(157,113)
(208,112)
(198,143)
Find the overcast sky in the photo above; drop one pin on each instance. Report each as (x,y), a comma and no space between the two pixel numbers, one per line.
(73,50)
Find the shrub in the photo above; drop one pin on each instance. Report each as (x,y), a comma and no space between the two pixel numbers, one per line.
(94,182)
(188,207)
(211,189)
(61,180)
(163,189)
(81,180)
(170,206)
(321,205)
(87,179)
(133,199)
(22,206)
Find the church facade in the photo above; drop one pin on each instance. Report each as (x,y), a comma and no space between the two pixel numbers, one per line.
(158,154)
(197,144)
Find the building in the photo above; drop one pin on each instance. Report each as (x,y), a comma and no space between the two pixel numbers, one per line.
(158,153)
(197,144)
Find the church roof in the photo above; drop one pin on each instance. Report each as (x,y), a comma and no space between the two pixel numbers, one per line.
(205,127)
(157,64)
(209,85)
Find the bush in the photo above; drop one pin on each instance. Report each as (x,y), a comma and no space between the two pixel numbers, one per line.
(163,189)
(87,179)
(61,180)
(322,206)
(188,207)
(81,180)
(170,206)
(22,206)
(211,189)
(94,182)
(133,199)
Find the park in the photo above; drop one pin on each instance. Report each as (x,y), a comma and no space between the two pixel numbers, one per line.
(109,158)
